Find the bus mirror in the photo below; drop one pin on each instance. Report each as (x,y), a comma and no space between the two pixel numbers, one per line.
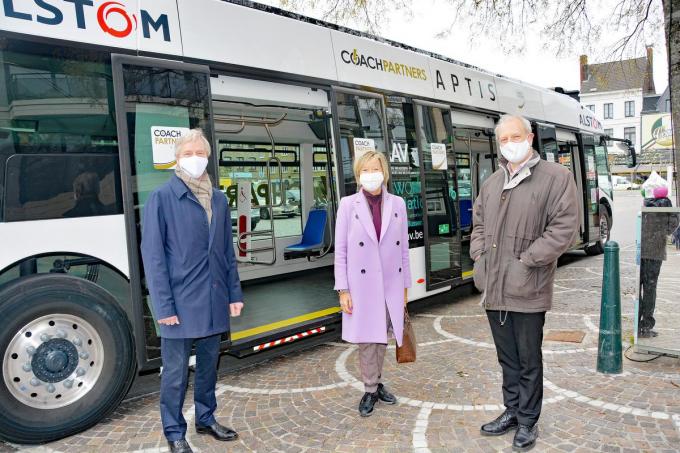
(632,157)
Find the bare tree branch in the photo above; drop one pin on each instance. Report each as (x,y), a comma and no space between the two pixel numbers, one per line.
(564,25)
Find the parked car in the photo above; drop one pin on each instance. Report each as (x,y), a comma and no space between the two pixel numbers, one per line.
(621,183)
(289,208)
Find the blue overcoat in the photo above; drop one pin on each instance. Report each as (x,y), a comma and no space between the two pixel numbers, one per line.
(190,266)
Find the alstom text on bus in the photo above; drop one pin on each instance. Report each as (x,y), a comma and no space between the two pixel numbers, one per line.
(53,15)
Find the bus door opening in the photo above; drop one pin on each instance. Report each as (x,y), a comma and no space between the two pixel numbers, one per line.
(439,195)
(591,187)
(568,155)
(274,155)
(475,162)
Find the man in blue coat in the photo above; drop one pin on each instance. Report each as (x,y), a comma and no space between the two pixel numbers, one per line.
(192,276)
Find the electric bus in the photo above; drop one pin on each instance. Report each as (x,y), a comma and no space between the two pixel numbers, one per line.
(93,95)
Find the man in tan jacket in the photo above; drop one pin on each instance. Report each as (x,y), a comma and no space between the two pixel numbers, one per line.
(525,217)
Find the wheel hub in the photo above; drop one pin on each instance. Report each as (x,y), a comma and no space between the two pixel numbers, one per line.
(55,360)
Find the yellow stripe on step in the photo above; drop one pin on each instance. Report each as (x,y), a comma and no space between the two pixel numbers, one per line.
(283,323)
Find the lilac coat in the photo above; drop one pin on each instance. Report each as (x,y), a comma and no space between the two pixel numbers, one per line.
(375,273)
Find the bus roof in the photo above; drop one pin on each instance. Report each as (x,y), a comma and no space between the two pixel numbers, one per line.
(251,35)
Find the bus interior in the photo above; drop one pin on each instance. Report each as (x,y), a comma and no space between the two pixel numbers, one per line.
(273,139)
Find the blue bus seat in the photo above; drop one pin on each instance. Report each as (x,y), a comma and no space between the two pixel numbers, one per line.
(312,236)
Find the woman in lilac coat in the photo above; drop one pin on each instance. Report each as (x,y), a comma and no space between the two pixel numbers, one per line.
(372,272)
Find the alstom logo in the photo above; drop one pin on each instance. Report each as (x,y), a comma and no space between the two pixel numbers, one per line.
(113,18)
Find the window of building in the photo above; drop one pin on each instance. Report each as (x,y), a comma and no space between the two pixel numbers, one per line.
(609,132)
(629,107)
(629,133)
(591,107)
(608,111)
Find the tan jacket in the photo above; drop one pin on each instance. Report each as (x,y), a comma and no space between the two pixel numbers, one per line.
(532,217)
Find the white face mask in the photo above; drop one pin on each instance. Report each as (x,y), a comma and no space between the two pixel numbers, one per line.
(193,165)
(371,181)
(515,152)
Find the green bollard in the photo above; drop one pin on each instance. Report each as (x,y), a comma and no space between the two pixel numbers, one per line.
(609,353)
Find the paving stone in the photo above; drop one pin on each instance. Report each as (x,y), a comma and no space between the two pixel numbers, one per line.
(300,403)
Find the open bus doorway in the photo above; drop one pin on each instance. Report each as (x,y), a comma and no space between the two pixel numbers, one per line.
(476,161)
(273,142)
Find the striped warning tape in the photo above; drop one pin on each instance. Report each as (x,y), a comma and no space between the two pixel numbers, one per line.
(289,339)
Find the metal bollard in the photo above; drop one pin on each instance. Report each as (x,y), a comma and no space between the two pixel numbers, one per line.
(609,349)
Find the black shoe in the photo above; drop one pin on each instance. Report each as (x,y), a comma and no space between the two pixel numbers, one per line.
(385,396)
(525,438)
(504,423)
(648,334)
(367,403)
(179,446)
(218,431)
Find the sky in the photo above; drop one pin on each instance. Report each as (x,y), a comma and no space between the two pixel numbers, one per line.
(535,65)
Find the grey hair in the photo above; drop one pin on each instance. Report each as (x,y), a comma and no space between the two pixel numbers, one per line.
(194,135)
(508,117)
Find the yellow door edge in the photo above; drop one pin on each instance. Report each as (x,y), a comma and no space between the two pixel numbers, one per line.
(283,323)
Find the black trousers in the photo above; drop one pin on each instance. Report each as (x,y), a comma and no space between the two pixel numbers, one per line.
(518,339)
(649,277)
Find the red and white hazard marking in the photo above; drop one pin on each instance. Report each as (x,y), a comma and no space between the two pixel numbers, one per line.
(290,339)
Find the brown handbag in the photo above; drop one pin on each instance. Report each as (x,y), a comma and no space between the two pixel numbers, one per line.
(406,353)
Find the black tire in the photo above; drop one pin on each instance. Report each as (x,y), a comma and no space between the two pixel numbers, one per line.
(24,301)
(598,247)
(264,213)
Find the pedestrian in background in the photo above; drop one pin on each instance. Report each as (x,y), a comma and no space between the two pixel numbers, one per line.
(372,272)
(192,275)
(525,217)
(655,229)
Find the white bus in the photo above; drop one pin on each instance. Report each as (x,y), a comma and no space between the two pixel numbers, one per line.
(92,95)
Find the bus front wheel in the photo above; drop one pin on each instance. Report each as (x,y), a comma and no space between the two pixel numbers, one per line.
(67,357)
(605,230)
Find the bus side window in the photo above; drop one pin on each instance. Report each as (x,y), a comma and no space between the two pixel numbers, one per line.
(58,158)
(53,186)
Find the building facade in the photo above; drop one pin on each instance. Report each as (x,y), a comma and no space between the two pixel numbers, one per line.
(617,91)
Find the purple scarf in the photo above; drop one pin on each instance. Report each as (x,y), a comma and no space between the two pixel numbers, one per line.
(375,206)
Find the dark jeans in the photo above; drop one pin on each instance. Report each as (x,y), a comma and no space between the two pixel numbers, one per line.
(649,277)
(175,355)
(518,346)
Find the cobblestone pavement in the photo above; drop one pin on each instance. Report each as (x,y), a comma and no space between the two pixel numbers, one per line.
(308,401)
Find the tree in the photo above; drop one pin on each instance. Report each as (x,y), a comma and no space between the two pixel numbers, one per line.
(565,25)
(671,10)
